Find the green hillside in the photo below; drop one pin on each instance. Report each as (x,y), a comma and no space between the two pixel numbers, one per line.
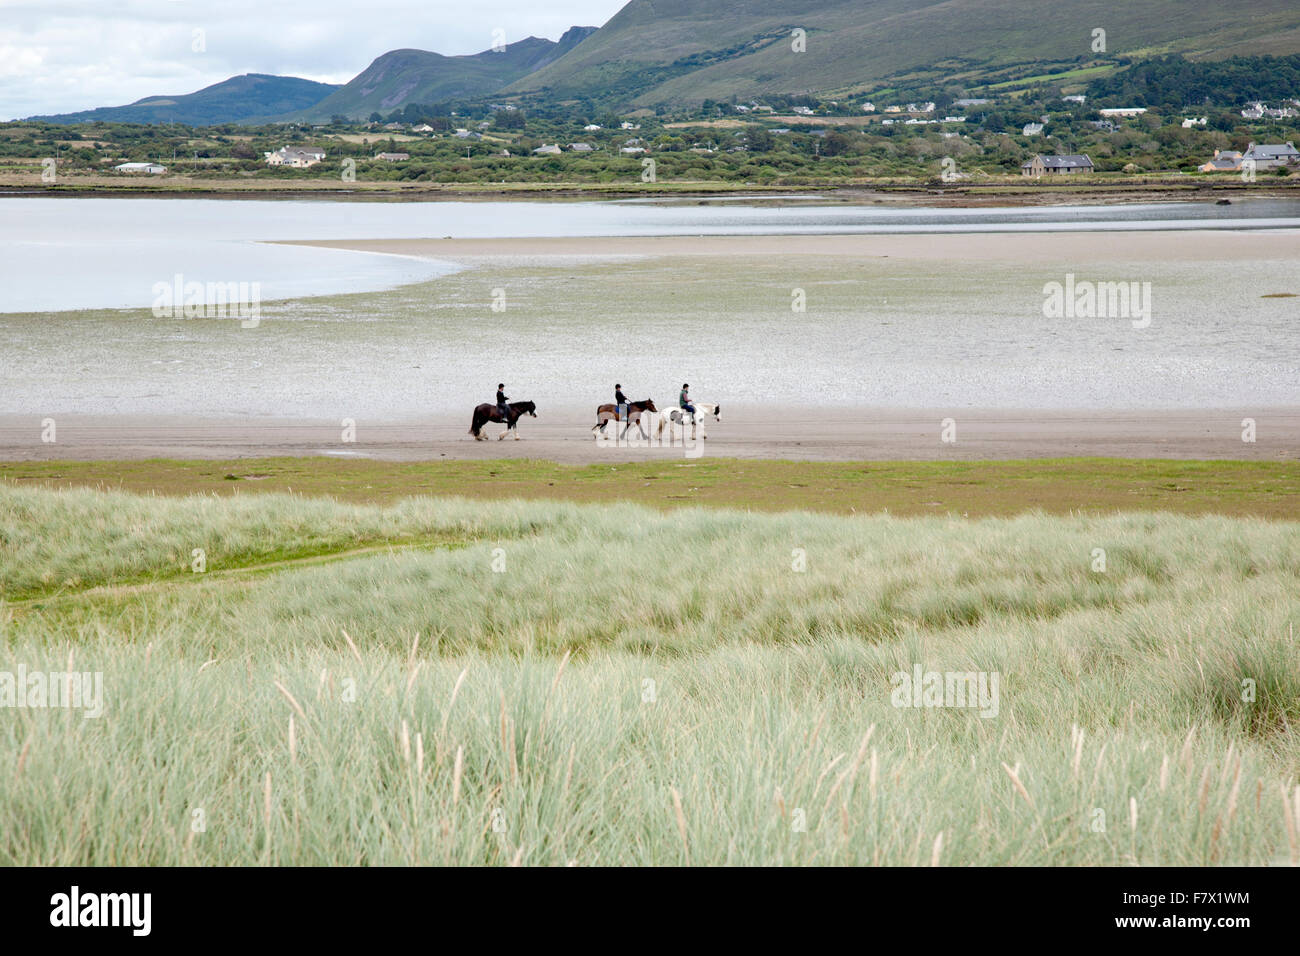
(230,101)
(418,76)
(670,51)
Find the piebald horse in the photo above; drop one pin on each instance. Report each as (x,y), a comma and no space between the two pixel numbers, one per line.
(488,412)
(609,413)
(679,416)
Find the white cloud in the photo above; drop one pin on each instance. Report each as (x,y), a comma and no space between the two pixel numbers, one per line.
(57,56)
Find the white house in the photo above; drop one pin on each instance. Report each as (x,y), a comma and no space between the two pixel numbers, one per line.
(152,169)
(580,147)
(299,158)
(1262,111)
(1124,111)
(1193,121)
(1032,129)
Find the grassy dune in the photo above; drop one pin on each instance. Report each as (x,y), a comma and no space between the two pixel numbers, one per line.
(357,684)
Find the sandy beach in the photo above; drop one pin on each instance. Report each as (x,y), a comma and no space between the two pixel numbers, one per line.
(681,277)
(753,432)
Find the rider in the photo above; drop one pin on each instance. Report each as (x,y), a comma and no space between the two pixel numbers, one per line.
(502,407)
(684,400)
(620,403)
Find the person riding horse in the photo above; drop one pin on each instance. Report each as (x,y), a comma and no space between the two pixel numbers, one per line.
(508,415)
(620,403)
(684,400)
(502,405)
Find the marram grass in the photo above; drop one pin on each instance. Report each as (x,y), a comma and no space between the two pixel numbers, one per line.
(358,685)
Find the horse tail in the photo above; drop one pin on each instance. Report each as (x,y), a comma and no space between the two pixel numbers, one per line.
(475,424)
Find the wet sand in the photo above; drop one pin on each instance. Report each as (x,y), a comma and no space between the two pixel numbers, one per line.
(751,432)
(1206,245)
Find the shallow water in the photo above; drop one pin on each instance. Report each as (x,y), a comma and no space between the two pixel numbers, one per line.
(101,253)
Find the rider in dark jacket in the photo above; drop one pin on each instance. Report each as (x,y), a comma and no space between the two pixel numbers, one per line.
(502,407)
(684,400)
(620,402)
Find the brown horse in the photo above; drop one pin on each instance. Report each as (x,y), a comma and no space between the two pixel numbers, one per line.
(488,412)
(607,413)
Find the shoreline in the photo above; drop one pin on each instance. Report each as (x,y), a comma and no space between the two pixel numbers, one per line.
(936,194)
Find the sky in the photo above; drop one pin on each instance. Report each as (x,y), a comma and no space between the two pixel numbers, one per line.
(57,56)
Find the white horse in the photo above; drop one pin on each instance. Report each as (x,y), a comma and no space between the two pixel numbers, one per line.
(679,416)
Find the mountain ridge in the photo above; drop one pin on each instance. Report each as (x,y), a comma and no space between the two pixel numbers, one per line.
(229,101)
(659,52)
(400,77)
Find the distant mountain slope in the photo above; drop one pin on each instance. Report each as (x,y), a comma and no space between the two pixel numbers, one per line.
(666,51)
(401,77)
(230,101)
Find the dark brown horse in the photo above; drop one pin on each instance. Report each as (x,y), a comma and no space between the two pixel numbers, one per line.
(609,413)
(488,412)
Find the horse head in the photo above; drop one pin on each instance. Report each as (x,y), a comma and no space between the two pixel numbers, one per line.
(527,408)
(649,404)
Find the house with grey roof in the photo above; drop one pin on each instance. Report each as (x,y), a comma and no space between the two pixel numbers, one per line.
(1042,165)
(1271,157)
(1224,161)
